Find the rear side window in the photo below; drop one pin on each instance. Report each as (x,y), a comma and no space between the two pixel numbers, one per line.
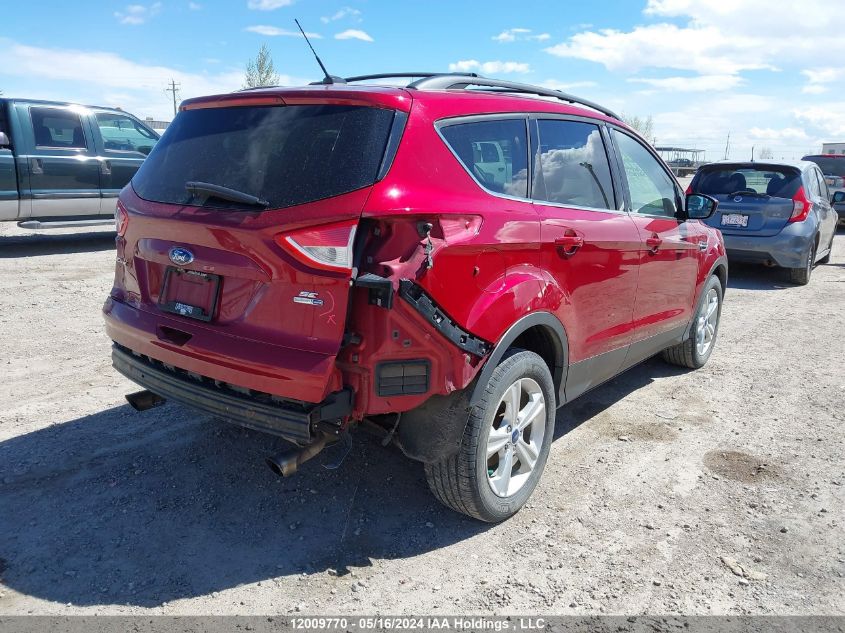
(124,134)
(573,165)
(287,155)
(768,181)
(57,128)
(494,152)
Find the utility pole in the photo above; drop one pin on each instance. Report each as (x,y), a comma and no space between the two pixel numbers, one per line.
(174,88)
(727,145)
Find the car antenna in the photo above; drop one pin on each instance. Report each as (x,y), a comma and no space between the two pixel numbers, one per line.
(328,79)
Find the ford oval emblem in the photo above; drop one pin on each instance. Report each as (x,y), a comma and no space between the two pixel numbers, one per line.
(738,199)
(181,256)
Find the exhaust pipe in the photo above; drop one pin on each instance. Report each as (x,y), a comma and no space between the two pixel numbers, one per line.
(287,462)
(143,400)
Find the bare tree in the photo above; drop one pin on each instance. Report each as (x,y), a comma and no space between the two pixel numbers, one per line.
(260,71)
(643,125)
(766,153)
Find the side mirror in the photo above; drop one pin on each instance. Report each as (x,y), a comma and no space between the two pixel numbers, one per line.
(4,140)
(699,206)
(838,197)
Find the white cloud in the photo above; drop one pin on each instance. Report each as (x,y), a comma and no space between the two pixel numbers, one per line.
(829,118)
(512,35)
(136,14)
(700,83)
(268,5)
(273,31)
(194,6)
(104,78)
(345,12)
(781,135)
(354,34)
(818,78)
(488,68)
(718,37)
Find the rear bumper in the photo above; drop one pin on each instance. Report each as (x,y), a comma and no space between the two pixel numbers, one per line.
(786,249)
(250,365)
(295,422)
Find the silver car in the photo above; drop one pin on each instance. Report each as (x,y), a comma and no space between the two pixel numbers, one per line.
(774,213)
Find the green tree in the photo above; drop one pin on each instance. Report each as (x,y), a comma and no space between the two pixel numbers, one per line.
(643,125)
(260,71)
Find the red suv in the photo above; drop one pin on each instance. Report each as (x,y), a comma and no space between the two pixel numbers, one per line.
(450,261)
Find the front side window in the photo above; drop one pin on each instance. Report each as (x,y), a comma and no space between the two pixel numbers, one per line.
(573,165)
(652,190)
(56,128)
(824,191)
(125,134)
(494,152)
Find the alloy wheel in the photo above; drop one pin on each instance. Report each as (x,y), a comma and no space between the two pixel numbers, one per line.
(516,437)
(708,319)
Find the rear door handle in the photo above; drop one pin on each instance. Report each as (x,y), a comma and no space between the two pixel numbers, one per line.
(36,166)
(569,243)
(105,167)
(653,243)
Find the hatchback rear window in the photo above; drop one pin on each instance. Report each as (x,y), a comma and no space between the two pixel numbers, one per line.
(770,181)
(286,155)
(829,165)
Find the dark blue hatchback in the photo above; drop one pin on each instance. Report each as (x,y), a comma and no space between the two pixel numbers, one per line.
(772,213)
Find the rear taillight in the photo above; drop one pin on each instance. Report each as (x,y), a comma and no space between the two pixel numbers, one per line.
(327,247)
(800,206)
(689,189)
(121,219)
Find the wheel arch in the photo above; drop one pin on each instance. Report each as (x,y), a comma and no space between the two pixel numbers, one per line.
(719,268)
(539,332)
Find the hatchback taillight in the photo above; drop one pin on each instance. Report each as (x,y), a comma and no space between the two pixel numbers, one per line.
(121,219)
(326,247)
(800,206)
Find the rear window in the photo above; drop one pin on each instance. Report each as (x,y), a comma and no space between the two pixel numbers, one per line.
(829,165)
(494,152)
(778,183)
(287,155)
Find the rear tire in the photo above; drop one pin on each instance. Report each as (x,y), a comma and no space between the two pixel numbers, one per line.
(801,276)
(505,445)
(696,348)
(826,258)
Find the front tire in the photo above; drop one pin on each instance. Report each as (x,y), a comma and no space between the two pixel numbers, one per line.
(505,445)
(696,348)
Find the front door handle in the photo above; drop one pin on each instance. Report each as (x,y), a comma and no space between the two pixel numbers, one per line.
(36,166)
(569,243)
(653,243)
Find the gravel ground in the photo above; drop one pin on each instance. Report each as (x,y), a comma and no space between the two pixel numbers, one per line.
(711,492)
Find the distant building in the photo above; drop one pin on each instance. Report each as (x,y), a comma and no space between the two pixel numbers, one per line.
(833,148)
(158,126)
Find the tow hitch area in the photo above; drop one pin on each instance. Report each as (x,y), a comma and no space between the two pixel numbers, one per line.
(143,400)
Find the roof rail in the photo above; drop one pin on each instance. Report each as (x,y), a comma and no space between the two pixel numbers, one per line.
(450,82)
(407,75)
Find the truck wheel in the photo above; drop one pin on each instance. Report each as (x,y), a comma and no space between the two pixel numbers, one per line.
(505,444)
(694,351)
(801,276)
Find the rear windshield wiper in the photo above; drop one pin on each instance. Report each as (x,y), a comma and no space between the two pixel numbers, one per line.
(749,192)
(224,193)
